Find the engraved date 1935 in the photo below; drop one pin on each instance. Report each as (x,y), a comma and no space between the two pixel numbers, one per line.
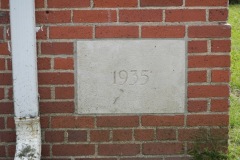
(131,77)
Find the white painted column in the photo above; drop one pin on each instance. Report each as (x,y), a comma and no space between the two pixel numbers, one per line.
(25,84)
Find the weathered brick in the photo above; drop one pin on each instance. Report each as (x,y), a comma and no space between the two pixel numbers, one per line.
(144,134)
(99,135)
(77,136)
(117,32)
(157,3)
(54,136)
(72,122)
(197,105)
(57,48)
(73,150)
(177,120)
(220,105)
(208,61)
(118,121)
(70,32)
(197,76)
(44,17)
(221,46)
(94,16)
(163,31)
(218,14)
(145,15)
(122,135)
(63,63)
(68,4)
(115,3)
(197,46)
(184,15)
(208,91)
(118,149)
(214,31)
(208,120)
(166,134)
(162,148)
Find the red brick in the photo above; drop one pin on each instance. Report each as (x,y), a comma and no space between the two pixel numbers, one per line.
(68,4)
(77,136)
(166,134)
(10,93)
(2,93)
(157,3)
(197,106)
(144,134)
(207,3)
(162,148)
(197,76)
(5,4)
(64,92)
(208,120)
(220,75)
(115,3)
(55,78)
(191,134)
(220,105)
(95,159)
(7,136)
(54,136)
(72,122)
(94,16)
(221,46)
(208,91)
(197,46)
(4,17)
(5,79)
(2,123)
(118,149)
(44,120)
(1,33)
(185,15)
(2,64)
(122,135)
(221,133)
(117,32)
(213,31)
(218,15)
(45,150)
(163,120)
(208,61)
(99,135)
(63,63)
(39,3)
(43,17)
(10,122)
(118,121)
(2,151)
(42,33)
(44,92)
(163,31)
(56,107)
(57,48)
(71,32)
(44,63)
(141,15)
(73,149)
(11,150)
(4,49)
(6,108)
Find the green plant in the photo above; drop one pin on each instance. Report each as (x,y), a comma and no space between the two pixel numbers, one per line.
(234,1)
(207,147)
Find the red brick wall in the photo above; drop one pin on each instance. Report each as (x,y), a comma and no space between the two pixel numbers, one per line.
(152,137)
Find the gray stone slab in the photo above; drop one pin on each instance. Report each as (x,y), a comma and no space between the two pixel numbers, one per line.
(131,76)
